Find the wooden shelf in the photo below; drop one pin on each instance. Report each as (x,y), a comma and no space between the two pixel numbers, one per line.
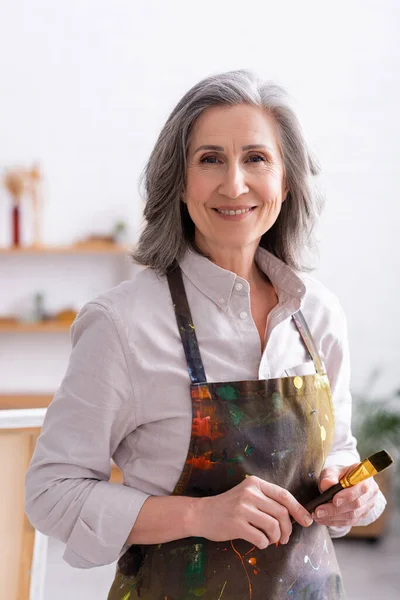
(45,327)
(18,401)
(80,248)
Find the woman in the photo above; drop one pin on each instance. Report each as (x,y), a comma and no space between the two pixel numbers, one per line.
(208,378)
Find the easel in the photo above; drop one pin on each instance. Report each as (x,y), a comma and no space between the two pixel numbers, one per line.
(23,551)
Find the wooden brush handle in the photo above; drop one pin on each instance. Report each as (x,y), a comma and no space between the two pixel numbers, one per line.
(324,497)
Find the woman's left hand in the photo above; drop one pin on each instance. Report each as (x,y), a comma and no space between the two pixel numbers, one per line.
(348,506)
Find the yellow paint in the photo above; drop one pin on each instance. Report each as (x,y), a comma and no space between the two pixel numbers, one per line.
(323,433)
(321,381)
(298,382)
(222,591)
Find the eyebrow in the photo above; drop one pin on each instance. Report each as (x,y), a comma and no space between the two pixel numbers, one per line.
(221,148)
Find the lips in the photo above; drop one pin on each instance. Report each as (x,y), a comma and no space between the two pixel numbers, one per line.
(234,211)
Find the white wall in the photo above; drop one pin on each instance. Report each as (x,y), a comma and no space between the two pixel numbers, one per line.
(85,86)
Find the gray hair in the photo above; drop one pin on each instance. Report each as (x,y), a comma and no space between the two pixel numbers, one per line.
(169,230)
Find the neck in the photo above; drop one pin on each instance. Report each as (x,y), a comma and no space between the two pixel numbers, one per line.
(238,260)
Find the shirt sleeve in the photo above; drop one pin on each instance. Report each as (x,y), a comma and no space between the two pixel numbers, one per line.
(67,493)
(337,361)
(344,447)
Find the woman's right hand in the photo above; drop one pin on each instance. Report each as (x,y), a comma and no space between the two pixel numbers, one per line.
(255,510)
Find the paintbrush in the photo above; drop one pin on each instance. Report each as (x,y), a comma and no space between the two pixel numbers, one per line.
(367,468)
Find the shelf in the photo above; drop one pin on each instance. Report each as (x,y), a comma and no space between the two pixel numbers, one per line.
(18,401)
(80,248)
(45,327)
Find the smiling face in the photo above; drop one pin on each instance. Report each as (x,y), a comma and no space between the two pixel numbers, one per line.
(235,177)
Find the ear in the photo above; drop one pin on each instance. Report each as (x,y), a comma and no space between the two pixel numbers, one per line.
(285,188)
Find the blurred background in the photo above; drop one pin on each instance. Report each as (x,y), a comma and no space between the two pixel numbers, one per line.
(85,87)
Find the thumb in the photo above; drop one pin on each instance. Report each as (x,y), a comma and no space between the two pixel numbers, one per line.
(328,478)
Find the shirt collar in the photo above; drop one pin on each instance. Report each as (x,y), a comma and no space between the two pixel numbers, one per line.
(217,283)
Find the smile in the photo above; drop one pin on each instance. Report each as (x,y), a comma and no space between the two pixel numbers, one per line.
(239,211)
(234,214)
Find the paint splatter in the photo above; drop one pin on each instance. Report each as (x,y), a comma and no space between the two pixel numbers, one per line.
(276,400)
(201,426)
(245,570)
(199,592)
(228,392)
(248,450)
(236,415)
(307,559)
(282,454)
(222,591)
(201,462)
(235,459)
(321,381)
(200,392)
(323,433)
(298,382)
(128,595)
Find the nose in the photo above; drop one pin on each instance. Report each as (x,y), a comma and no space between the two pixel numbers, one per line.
(234,182)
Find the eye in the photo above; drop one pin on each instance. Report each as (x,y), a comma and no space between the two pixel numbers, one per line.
(257,158)
(209,160)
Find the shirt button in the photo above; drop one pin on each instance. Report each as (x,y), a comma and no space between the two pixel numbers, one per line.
(239,286)
(243,314)
(221,301)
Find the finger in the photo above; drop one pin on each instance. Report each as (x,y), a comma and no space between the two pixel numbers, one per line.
(348,499)
(337,524)
(351,517)
(329,510)
(351,497)
(282,496)
(266,523)
(328,478)
(255,536)
(278,512)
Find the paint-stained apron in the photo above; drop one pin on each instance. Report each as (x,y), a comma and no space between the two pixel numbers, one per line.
(278,429)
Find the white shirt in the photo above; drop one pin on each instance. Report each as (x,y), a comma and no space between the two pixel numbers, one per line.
(126,394)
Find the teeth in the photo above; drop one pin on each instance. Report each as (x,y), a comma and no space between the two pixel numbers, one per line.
(234,212)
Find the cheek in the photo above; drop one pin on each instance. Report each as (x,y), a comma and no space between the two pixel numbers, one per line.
(270,189)
(198,190)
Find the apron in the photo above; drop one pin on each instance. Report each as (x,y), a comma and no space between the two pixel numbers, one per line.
(280,430)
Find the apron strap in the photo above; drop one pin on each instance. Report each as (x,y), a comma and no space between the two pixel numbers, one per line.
(186,327)
(308,340)
(188,334)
